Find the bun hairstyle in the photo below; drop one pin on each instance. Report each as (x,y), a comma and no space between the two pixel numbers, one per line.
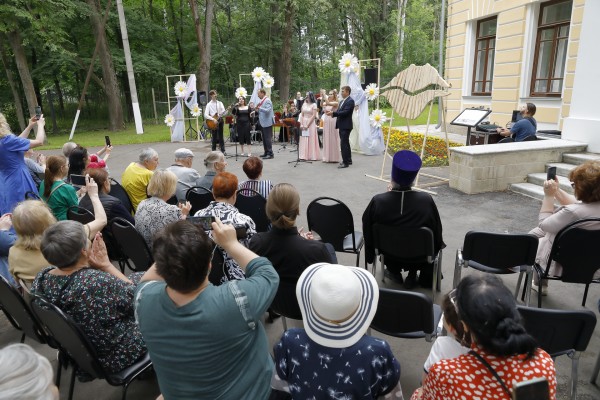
(283,206)
(490,312)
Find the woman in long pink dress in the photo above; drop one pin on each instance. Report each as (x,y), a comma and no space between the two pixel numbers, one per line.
(331,136)
(309,145)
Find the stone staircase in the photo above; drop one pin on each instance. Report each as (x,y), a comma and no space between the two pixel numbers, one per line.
(533,187)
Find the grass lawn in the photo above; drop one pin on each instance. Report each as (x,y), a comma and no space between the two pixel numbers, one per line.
(421,119)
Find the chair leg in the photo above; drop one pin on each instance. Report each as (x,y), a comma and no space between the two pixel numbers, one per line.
(357,259)
(72,384)
(125,386)
(434,284)
(585,293)
(518,289)
(527,285)
(439,279)
(574,368)
(284,322)
(457,271)
(382,260)
(58,370)
(596,371)
(23,338)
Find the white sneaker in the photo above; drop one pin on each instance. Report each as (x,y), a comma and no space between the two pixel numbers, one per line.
(537,288)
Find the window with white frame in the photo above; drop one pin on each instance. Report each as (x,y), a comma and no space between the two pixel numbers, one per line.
(483,67)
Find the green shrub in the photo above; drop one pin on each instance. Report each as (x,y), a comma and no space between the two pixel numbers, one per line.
(435,154)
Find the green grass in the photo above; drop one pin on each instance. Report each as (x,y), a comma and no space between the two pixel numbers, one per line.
(420,120)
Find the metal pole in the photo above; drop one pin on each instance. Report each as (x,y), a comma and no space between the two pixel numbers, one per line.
(137,115)
(441,60)
(154,106)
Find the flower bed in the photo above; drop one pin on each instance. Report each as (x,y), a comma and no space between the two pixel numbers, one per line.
(435,149)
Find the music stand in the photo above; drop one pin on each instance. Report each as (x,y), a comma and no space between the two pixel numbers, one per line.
(291,122)
(471,117)
(233,137)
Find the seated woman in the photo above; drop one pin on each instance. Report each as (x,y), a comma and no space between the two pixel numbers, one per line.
(57,193)
(289,249)
(253,168)
(155,213)
(502,352)
(112,206)
(25,374)
(585,180)
(214,163)
(78,161)
(31,218)
(84,284)
(224,192)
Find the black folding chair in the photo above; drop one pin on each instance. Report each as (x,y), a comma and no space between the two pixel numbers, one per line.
(332,221)
(173,200)
(561,332)
(77,347)
(199,197)
(408,315)
(574,248)
(252,204)
(120,193)
(498,253)
(285,303)
(409,246)
(80,214)
(132,244)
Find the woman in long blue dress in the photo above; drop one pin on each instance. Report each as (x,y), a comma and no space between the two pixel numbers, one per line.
(15,179)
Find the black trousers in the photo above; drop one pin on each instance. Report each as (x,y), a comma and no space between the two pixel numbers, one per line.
(345,146)
(267,137)
(217,137)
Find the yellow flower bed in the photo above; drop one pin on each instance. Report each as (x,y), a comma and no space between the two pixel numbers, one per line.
(435,149)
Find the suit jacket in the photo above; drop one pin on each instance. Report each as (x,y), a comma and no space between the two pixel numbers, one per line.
(344,114)
(265,113)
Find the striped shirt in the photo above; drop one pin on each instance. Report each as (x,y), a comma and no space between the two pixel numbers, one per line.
(262,187)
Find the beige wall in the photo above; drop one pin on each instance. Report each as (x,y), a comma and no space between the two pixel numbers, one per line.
(515,45)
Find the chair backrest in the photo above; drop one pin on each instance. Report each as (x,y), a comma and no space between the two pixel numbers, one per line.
(251,203)
(132,243)
(173,200)
(331,220)
(120,193)
(18,313)
(199,197)
(285,302)
(574,248)
(404,314)
(68,335)
(415,244)
(559,332)
(499,250)
(80,214)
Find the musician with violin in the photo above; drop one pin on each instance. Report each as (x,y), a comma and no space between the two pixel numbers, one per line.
(214,120)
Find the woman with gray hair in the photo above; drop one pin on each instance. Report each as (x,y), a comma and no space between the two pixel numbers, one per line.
(24,374)
(137,175)
(214,163)
(84,284)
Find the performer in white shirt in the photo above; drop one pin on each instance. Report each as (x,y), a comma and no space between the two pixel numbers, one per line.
(213,112)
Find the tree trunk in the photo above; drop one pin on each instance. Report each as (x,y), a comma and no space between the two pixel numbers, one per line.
(59,93)
(111,88)
(13,86)
(400,24)
(204,42)
(286,52)
(16,43)
(36,81)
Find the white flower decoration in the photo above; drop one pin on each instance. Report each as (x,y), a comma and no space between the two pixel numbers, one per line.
(348,63)
(372,91)
(268,81)
(195,110)
(241,92)
(377,118)
(180,89)
(169,120)
(258,74)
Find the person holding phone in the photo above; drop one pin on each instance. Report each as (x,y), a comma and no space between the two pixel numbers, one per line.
(58,194)
(15,179)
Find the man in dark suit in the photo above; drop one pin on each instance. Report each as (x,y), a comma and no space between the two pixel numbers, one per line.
(344,125)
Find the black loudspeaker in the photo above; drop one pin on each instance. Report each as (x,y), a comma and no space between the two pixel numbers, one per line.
(202,98)
(370,75)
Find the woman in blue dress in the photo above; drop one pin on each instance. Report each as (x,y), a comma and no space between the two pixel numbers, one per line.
(15,179)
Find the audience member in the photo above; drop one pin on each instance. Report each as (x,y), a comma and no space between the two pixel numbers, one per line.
(35,167)
(502,352)
(289,249)
(57,193)
(136,176)
(78,161)
(223,208)
(253,167)
(585,180)
(113,207)
(523,128)
(403,207)
(187,177)
(68,148)
(206,341)
(214,163)
(332,354)
(84,284)
(7,240)
(15,180)
(26,375)
(155,213)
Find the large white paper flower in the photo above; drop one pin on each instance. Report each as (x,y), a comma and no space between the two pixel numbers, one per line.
(169,120)
(348,63)
(195,110)
(241,92)
(372,91)
(258,74)
(268,81)
(180,89)
(377,118)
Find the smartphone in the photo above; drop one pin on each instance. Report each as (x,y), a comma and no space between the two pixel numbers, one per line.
(205,221)
(534,389)
(77,180)
(38,112)
(551,175)
(107,139)
(241,231)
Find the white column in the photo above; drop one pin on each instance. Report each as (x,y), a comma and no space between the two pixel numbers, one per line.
(583,123)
